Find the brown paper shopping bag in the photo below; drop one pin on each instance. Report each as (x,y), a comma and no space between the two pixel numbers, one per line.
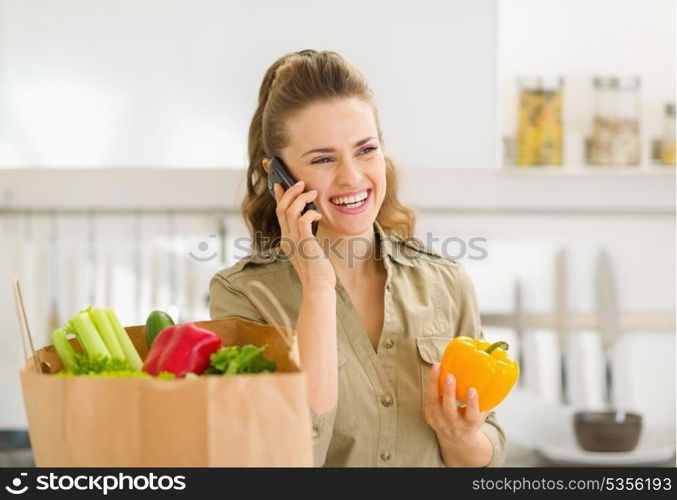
(257,420)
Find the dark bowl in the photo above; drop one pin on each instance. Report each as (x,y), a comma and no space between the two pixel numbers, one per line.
(601,431)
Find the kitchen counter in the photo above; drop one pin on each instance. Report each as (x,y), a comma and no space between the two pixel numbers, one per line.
(520,456)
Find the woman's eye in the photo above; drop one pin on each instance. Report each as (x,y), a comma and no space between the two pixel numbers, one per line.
(366,150)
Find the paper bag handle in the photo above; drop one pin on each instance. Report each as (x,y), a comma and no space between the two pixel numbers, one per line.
(288,335)
(26,337)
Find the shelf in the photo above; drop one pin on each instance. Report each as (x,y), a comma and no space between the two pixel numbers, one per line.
(659,321)
(507,190)
(588,170)
(547,190)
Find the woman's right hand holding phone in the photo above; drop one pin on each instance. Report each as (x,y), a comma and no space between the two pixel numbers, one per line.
(297,240)
(316,322)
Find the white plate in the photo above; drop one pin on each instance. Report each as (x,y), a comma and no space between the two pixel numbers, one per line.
(642,455)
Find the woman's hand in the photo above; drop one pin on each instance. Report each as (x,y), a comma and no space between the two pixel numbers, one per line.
(317,314)
(297,242)
(458,429)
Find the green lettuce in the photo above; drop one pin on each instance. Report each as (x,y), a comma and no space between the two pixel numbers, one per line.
(103,366)
(232,360)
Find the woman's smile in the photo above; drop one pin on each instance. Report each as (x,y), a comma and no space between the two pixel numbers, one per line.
(353,202)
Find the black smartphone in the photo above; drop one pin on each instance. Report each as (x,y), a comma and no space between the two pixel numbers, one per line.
(279,173)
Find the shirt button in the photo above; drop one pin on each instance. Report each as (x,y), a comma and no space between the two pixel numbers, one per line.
(389,344)
(387,401)
(385,456)
(316,431)
(388,286)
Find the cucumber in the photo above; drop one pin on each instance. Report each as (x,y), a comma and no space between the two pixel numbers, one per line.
(156,322)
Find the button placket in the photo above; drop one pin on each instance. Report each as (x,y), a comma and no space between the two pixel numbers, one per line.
(387,409)
(380,369)
(385,351)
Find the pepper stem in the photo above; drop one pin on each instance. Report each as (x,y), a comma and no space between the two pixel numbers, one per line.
(495,345)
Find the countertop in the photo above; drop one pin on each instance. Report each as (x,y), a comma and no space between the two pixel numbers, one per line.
(520,456)
(516,456)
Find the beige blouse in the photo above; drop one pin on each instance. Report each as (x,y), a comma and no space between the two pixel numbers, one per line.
(379,419)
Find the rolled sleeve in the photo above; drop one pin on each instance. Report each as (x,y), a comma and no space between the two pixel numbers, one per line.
(497,437)
(323,427)
(225,300)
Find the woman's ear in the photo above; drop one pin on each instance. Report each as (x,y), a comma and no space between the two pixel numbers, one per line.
(266,164)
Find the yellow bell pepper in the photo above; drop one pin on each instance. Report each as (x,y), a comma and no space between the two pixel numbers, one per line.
(486,367)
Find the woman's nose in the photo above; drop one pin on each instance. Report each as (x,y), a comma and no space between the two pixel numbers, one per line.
(349,172)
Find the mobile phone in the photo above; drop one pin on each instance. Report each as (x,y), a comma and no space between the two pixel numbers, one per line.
(279,173)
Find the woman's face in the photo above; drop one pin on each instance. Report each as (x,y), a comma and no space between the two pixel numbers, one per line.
(334,148)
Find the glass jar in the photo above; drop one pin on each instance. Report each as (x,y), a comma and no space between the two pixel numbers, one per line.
(615,129)
(539,122)
(668,146)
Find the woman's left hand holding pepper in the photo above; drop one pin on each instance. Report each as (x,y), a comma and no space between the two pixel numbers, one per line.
(458,430)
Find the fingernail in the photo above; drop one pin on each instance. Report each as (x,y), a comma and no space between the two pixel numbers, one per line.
(450,379)
(300,183)
(472,393)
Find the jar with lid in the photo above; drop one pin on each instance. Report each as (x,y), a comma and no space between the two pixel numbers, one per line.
(615,129)
(539,121)
(668,146)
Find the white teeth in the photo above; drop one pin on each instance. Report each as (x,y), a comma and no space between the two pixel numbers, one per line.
(355,205)
(350,199)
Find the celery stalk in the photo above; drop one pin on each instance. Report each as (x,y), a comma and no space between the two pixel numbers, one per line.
(103,325)
(64,348)
(88,336)
(124,340)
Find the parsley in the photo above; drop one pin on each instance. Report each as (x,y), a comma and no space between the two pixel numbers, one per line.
(232,360)
(103,366)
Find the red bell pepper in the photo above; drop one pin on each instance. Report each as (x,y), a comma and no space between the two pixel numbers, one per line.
(182,349)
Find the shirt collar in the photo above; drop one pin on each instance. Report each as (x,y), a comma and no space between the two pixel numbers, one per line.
(391,246)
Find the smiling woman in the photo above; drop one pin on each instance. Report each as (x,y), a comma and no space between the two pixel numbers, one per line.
(350,177)
(285,124)
(373,309)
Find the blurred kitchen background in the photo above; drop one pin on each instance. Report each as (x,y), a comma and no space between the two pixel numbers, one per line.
(536,136)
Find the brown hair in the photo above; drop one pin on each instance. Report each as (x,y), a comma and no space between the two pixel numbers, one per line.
(292,82)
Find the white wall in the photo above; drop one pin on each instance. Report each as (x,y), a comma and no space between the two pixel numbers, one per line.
(578,39)
(174,83)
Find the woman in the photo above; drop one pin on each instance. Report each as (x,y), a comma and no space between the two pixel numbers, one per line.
(372,309)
